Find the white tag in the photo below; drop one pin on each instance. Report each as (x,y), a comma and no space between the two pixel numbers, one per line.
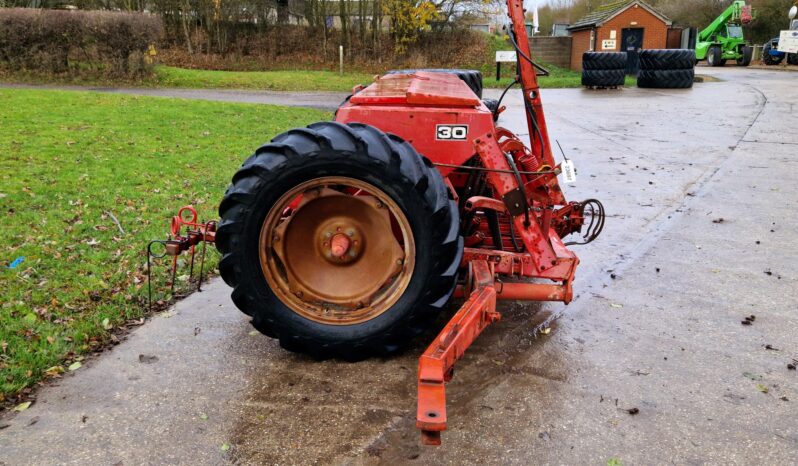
(568,171)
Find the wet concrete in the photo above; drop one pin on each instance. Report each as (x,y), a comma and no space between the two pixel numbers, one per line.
(664,336)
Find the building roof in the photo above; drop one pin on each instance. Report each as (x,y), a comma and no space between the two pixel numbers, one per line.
(611,9)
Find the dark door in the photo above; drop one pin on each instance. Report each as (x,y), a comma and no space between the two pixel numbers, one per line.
(631,43)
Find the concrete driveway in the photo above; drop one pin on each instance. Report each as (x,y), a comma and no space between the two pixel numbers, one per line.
(700,189)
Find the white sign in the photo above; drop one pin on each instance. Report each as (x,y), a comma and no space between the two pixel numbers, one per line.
(608,44)
(788,42)
(613,34)
(505,56)
(568,171)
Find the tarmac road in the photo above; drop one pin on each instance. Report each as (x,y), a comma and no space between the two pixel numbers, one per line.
(656,326)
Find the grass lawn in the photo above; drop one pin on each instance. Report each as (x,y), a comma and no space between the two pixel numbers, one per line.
(297,80)
(558,78)
(167,76)
(329,81)
(67,161)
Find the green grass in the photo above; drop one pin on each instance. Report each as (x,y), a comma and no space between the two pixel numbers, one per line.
(171,77)
(292,80)
(325,80)
(168,76)
(67,159)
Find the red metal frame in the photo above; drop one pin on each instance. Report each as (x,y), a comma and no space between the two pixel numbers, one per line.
(436,365)
(412,106)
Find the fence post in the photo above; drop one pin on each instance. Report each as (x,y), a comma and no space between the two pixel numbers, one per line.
(341,59)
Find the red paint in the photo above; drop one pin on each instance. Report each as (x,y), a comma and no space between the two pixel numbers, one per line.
(414,106)
(507,245)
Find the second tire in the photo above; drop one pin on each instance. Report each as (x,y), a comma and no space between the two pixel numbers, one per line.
(603,78)
(666,79)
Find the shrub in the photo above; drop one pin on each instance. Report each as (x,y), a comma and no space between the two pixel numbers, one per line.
(301,47)
(72,42)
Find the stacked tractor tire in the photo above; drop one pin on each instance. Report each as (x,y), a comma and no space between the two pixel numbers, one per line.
(603,70)
(659,68)
(666,68)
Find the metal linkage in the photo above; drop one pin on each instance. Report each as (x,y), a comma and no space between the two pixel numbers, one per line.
(436,365)
(196,233)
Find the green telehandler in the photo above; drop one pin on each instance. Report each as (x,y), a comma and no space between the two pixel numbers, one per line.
(723,39)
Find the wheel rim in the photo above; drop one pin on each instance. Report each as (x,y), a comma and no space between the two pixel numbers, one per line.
(337,250)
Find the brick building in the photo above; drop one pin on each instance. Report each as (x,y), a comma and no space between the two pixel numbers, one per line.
(619,26)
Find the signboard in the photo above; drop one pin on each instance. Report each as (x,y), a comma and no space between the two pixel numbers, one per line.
(608,44)
(788,42)
(506,56)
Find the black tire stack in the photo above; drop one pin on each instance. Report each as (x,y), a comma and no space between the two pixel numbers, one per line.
(666,69)
(602,70)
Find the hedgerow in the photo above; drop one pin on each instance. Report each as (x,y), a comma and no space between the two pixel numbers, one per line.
(74,42)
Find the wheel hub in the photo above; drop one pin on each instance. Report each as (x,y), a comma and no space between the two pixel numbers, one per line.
(337,253)
(340,243)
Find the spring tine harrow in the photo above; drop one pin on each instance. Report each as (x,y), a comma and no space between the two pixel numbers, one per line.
(186,233)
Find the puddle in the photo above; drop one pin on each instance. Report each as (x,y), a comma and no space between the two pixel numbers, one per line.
(297,408)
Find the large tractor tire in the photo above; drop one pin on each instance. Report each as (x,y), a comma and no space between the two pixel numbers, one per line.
(747,53)
(792,59)
(667,59)
(603,69)
(666,79)
(767,58)
(603,78)
(714,56)
(472,78)
(604,61)
(339,240)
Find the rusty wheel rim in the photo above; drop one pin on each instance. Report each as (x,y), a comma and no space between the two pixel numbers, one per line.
(337,250)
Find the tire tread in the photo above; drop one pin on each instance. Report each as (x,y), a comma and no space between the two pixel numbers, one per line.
(370,148)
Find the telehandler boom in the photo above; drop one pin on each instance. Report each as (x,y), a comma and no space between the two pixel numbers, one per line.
(723,39)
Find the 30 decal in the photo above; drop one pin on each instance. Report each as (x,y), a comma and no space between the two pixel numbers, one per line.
(451,132)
